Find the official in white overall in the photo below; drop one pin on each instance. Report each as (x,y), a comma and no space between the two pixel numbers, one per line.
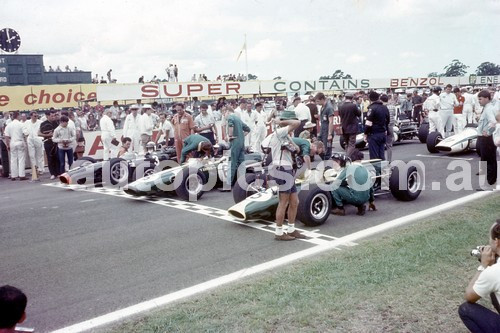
(107,134)
(15,141)
(35,143)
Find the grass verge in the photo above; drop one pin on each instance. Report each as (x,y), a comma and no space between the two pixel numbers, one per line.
(410,280)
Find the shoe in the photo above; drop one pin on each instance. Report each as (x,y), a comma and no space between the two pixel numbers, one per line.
(338,211)
(13,179)
(52,177)
(284,237)
(297,234)
(23,178)
(361,210)
(224,190)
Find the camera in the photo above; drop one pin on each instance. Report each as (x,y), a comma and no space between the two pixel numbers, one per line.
(477,252)
(287,145)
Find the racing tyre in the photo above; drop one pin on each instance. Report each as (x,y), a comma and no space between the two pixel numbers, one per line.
(191,185)
(5,159)
(314,207)
(118,171)
(252,185)
(143,171)
(423,132)
(432,140)
(411,185)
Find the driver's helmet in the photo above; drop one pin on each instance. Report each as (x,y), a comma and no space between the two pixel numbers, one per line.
(150,147)
(342,159)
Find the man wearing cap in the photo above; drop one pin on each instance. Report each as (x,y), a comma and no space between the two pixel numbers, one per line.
(236,131)
(353,185)
(284,175)
(107,134)
(249,117)
(146,126)
(303,114)
(431,107)
(131,128)
(183,127)
(349,119)
(447,101)
(197,144)
(377,121)
(326,121)
(260,130)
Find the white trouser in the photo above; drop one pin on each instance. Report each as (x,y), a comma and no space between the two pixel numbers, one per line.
(435,122)
(248,137)
(458,123)
(106,144)
(447,119)
(259,136)
(35,152)
(17,159)
(468,114)
(136,146)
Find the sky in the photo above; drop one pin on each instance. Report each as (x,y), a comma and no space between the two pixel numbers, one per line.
(294,39)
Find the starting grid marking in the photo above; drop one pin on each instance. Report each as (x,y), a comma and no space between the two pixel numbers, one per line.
(314,237)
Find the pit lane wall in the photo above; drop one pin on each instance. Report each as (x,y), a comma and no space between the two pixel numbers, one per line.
(36,97)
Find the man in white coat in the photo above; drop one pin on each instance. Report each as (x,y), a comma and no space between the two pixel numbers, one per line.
(431,106)
(260,131)
(15,143)
(467,112)
(146,126)
(35,144)
(447,101)
(107,133)
(131,128)
(249,117)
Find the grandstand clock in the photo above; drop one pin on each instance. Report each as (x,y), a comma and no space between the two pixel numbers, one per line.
(10,41)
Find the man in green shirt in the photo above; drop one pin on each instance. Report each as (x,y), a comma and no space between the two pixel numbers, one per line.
(308,149)
(195,143)
(353,185)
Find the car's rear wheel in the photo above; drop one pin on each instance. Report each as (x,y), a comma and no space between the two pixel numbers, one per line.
(423,132)
(118,171)
(253,184)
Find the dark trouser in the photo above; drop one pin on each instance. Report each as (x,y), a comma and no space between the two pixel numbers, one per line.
(416,114)
(345,195)
(328,145)
(237,157)
(389,141)
(210,136)
(52,160)
(299,129)
(62,153)
(478,319)
(488,152)
(376,145)
(350,143)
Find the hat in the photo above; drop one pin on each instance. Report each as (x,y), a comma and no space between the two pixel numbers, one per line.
(134,106)
(309,125)
(287,115)
(373,96)
(297,98)
(349,95)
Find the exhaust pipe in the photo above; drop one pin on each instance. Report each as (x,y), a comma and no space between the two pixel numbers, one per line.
(65,179)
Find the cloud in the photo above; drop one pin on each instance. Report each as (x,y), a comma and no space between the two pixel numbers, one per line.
(265,50)
(355,58)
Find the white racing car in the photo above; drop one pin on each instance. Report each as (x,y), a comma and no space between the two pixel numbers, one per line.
(457,143)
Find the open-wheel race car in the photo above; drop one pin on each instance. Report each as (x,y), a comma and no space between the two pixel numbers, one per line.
(259,201)
(189,180)
(116,171)
(465,140)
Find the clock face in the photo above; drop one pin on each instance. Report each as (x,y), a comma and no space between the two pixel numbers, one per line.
(9,40)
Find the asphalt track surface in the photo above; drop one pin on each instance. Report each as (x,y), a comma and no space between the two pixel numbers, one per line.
(79,254)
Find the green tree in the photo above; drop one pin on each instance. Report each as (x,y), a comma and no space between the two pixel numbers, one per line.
(488,68)
(252,77)
(456,68)
(337,75)
(433,74)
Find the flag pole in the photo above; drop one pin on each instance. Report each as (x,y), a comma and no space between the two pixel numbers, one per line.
(246,55)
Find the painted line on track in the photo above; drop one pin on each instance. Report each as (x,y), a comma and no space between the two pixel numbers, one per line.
(446,157)
(232,277)
(314,237)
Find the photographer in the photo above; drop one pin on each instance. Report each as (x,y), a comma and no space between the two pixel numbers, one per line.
(485,283)
(281,146)
(205,124)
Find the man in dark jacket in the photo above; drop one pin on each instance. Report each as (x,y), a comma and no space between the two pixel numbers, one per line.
(376,124)
(349,114)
